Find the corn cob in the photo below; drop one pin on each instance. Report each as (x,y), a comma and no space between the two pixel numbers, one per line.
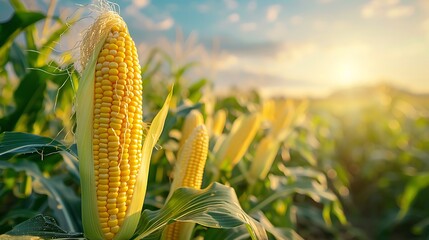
(219,122)
(266,152)
(110,99)
(192,120)
(268,110)
(283,117)
(238,140)
(189,170)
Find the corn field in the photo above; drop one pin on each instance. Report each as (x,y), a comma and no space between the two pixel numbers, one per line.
(107,146)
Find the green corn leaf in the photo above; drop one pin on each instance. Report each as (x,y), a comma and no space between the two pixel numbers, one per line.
(19,60)
(215,207)
(17,143)
(239,232)
(41,226)
(63,202)
(278,233)
(10,29)
(284,188)
(414,186)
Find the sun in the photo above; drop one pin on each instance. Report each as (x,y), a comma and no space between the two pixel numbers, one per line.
(348,73)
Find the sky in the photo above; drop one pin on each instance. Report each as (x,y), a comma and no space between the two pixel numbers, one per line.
(289,47)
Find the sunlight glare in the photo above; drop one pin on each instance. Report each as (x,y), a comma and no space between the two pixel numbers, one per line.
(348,73)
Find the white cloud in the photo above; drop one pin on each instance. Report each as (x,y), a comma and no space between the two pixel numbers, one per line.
(164,24)
(247,27)
(231,4)
(400,11)
(225,61)
(149,23)
(386,8)
(295,51)
(141,3)
(273,12)
(234,17)
(325,1)
(296,20)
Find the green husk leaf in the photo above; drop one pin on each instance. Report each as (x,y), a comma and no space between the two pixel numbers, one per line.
(152,137)
(84,118)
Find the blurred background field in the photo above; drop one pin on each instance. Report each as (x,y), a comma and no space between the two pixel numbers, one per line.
(350,158)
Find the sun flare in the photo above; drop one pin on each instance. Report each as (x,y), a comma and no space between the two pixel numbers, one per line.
(348,73)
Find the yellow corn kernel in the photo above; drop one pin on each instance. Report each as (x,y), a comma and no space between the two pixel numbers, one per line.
(192,120)
(116,143)
(219,122)
(188,172)
(238,140)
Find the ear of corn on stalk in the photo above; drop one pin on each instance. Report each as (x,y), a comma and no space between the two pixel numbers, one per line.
(266,152)
(284,116)
(238,140)
(113,165)
(188,172)
(268,110)
(219,122)
(192,120)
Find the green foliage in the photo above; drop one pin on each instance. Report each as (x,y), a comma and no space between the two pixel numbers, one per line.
(215,207)
(352,166)
(10,29)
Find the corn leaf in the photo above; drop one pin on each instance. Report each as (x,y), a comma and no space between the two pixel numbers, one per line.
(236,233)
(18,59)
(10,29)
(414,186)
(63,202)
(215,207)
(284,188)
(17,143)
(39,226)
(278,233)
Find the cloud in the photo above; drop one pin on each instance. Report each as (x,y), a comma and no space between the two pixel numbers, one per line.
(295,51)
(225,61)
(148,23)
(231,4)
(234,17)
(141,3)
(296,20)
(400,11)
(273,12)
(386,8)
(324,1)
(274,50)
(248,27)
(144,21)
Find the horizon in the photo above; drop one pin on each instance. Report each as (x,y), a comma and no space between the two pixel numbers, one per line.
(309,48)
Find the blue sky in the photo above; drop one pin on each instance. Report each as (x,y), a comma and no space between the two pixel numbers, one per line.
(295,47)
